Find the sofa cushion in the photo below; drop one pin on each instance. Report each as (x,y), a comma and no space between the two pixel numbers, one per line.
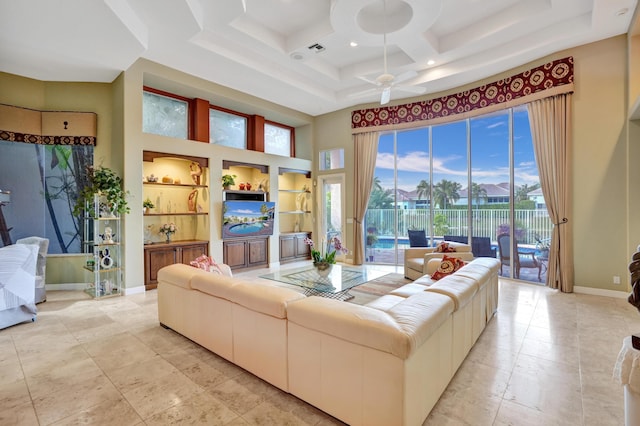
(265,298)
(448,266)
(410,289)
(460,289)
(400,330)
(214,284)
(386,302)
(179,275)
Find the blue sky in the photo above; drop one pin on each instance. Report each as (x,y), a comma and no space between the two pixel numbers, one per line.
(489,152)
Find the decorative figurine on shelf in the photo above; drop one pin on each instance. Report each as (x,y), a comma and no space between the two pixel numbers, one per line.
(241,186)
(192,202)
(196,171)
(106,261)
(108,235)
(247,186)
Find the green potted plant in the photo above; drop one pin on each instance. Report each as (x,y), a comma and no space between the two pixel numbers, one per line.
(372,239)
(228,180)
(106,183)
(147,205)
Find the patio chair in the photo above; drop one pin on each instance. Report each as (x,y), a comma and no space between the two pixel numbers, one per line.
(417,238)
(522,260)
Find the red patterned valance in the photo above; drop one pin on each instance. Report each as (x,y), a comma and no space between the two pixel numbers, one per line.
(548,76)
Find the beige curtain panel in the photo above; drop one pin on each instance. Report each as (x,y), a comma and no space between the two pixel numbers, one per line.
(550,121)
(366,150)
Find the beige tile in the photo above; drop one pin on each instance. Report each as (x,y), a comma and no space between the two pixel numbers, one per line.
(20,415)
(512,414)
(76,397)
(202,409)
(268,415)
(546,358)
(107,413)
(143,373)
(477,409)
(237,397)
(553,397)
(117,351)
(162,393)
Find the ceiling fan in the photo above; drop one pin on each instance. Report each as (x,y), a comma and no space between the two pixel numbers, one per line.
(387,81)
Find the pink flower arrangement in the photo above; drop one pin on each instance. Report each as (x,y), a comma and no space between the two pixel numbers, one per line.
(326,254)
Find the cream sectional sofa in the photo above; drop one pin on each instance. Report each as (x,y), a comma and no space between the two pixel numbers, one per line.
(384,363)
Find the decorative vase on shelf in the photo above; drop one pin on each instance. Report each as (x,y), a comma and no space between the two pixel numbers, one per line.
(168,238)
(323,268)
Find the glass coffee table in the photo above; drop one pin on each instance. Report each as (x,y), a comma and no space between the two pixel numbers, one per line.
(335,285)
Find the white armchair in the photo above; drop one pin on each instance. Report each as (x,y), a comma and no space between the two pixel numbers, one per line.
(17,284)
(417,259)
(41,265)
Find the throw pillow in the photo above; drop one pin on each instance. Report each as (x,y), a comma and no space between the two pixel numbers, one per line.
(206,263)
(444,248)
(448,266)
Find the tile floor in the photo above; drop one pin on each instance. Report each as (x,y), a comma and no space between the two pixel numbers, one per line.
(545,359)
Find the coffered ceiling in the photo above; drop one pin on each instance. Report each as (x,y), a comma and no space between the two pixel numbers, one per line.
(297,53)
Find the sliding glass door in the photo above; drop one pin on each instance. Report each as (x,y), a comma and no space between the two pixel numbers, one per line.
(471,180)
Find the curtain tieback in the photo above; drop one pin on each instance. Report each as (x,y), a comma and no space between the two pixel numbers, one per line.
(562,222)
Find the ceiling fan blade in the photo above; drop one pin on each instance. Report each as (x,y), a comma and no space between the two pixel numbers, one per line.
(368,80)
(386,96)
(407,75)
(363,93)
(412,89)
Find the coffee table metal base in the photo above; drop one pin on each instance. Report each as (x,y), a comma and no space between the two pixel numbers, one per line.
(342,295)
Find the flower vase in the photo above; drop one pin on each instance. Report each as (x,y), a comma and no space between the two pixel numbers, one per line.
(323,268)
(168,238)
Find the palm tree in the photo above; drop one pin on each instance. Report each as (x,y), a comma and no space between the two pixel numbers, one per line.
(522,193)
(478,193)
(446,191)
(423,189)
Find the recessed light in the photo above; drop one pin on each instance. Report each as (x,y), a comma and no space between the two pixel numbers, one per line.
(431,62)
(353,44)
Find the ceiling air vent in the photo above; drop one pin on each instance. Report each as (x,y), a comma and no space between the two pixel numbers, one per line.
(316,48)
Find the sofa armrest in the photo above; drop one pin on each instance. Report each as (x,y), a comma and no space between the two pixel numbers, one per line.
(417,252)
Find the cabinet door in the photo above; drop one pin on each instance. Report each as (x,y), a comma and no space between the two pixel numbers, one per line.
(303,250)
(191,252)
(258,252)
(234,253)
(287,247)
(155,260)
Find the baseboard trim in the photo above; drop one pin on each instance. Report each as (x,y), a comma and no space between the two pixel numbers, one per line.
(65,286)
(134,290)
(81,286)
(600,292)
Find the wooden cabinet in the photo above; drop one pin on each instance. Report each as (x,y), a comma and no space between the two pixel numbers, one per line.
(157,256)
(246,253)
(293,247)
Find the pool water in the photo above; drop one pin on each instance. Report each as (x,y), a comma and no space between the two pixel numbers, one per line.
(246,228)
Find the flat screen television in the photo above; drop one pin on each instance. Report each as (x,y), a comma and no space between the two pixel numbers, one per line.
(242,218)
